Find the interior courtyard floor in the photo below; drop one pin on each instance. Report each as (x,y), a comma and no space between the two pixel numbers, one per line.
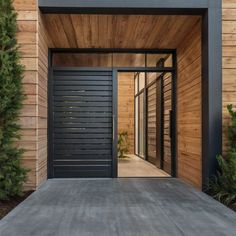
(134,166)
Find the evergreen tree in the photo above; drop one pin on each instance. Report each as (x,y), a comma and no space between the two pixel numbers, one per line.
(12,175)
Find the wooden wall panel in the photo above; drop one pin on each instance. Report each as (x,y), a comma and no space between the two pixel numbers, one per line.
(43,45)
(34,42)
(189,108)
(167,103)
(27,39)
(228,61)
(126,106)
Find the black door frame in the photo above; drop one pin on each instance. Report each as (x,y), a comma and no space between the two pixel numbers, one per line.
(115,72)
(211,12)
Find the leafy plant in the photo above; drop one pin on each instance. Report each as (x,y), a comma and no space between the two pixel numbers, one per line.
(123,144)
(12,175)
(223,185)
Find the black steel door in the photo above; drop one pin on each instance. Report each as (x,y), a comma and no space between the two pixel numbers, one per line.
(80,115)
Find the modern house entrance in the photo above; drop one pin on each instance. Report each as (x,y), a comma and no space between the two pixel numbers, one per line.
(191,29)
(83,114)
(167,67)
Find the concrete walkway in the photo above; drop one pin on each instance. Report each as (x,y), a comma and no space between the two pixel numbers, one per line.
(124,207)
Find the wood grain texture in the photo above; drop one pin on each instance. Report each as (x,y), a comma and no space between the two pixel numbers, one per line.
(189,108)
(228,61)
(43,44)
(118,31)
(27,39)
(34,43)
(126,106)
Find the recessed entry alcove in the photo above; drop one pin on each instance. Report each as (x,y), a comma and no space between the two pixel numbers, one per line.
(106,70)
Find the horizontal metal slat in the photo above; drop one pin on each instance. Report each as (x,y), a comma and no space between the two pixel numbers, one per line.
(82,88)
(83,93)
(82,125)
(63,131)
(83,109)
(71,119)
(82,141)
(82,156)
(83,152)
(82,114)
(82,136)
(84,146)
(83,98)
(82,104)
(82,83)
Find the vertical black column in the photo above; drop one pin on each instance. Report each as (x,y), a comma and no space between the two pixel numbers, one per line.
(211,88)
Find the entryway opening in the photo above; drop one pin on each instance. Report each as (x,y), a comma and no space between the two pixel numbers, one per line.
(146,122)
(167,126)
(113,113)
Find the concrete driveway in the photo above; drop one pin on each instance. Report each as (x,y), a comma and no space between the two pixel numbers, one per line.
(125,207)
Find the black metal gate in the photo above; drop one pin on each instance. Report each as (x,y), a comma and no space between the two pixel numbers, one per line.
(80,123)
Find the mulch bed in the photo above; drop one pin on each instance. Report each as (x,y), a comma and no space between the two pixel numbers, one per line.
(233,207)
(8,205)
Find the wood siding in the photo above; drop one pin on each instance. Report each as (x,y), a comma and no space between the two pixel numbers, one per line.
(33,43)
(189,108)
(126,106)
(229,61)
(43,44)
(27,39)
(167,107)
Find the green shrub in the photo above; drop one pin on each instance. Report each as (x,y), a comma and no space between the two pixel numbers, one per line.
(12,175)
(123,145)
(223,185)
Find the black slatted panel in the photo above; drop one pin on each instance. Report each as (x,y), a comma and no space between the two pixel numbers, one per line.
(82,124)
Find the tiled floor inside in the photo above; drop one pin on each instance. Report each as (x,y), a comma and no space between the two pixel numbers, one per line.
(133,166)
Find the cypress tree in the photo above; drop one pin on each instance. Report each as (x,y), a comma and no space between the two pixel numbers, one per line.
(12,175)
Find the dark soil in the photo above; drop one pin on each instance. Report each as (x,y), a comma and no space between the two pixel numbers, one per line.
(8,205)
(233,207)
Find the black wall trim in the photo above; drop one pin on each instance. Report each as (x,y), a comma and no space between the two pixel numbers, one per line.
(124,6)
(211,88)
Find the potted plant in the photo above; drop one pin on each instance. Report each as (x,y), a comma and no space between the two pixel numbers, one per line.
(123,144)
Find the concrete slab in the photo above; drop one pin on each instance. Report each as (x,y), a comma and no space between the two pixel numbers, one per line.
(124,207)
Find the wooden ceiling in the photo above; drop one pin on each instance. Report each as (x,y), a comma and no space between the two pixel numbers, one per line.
(118,31)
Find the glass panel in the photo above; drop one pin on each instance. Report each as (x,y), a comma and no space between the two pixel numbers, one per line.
(141,81)
(141,125)
(82,59)
(128,60)
(152,76)
(136,125)
(160,60)
(169,61)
